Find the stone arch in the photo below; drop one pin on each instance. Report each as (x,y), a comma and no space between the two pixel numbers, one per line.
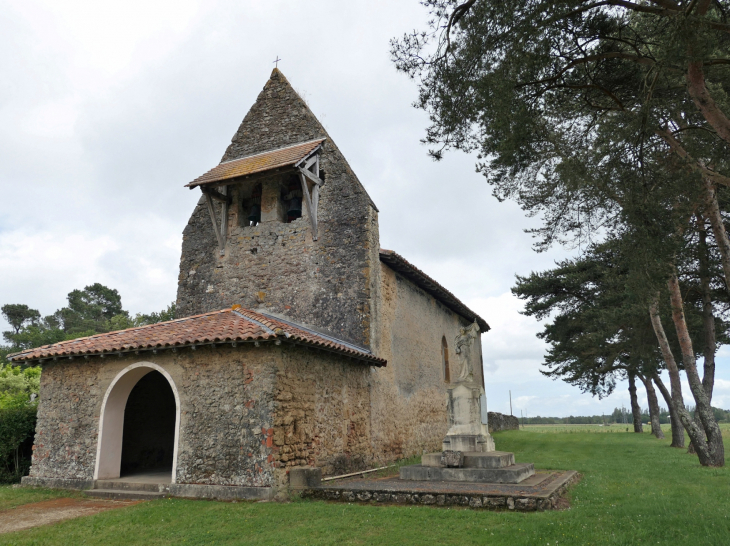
(111,419)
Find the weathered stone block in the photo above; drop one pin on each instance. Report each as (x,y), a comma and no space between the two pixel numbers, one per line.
(453,459)
(428,499)
(305,477)
(525,504)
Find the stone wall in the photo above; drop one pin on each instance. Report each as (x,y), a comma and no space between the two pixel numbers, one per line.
(277,266)
(67,427)
(247,414)
(500,421)
(226,410)
(409,396)
(322,412)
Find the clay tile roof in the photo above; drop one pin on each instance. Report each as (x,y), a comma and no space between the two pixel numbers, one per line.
(226,326)
(399,264)
(266,161)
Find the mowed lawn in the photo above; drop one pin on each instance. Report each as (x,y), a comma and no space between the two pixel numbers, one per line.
(635,490)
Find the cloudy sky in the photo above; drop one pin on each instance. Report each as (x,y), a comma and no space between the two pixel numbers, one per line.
(107,109)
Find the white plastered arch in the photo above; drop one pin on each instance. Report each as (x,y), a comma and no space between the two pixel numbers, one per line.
(111,420)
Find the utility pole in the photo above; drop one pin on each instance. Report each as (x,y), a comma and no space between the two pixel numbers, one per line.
(510,402)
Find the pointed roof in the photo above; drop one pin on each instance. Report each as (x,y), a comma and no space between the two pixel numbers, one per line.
(278,119)
(219,327)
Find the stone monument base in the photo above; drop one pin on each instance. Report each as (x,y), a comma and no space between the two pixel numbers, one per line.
(474,467)
(469,442)
(468,430)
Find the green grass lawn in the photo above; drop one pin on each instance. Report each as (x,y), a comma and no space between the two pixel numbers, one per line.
(635,490)
(11,497)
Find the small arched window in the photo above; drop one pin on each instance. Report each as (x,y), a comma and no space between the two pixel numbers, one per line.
(445,359)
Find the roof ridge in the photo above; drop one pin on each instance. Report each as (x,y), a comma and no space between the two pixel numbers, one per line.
(237,311)
(307,329)
(439,289)
(274,150)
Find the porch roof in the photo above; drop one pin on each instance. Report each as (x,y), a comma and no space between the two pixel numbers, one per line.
(234,325)
(290,156)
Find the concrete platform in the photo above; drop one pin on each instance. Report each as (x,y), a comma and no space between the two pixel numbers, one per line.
(514,474)
(538,492)
(142,486)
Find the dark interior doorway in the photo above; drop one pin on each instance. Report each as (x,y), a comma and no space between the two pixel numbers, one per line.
(148,439)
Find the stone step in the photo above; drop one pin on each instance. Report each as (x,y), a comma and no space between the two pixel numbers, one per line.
(123,485)
(511,474)
(475,459)
(119,494)
(494,459)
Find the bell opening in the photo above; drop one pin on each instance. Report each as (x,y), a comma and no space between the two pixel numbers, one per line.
(295,208)
(254,215)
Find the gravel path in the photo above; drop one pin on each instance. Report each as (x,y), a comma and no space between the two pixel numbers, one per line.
(53,511)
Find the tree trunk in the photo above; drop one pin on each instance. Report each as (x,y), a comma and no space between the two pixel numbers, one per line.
(705,102)
(675,400)
(712,210)
(635,409)
(708,318)
(676,424)
(710,448)
(656,427)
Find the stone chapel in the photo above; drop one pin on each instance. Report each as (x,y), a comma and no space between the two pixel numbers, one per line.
(298,340)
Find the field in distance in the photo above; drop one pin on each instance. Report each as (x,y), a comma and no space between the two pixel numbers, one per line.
(602,429)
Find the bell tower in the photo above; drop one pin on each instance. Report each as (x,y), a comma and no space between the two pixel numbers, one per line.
(283,225)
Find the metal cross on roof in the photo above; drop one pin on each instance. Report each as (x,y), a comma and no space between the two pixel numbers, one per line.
(277,61)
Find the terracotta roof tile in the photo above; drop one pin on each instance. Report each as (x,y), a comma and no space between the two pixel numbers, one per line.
(228,325)
(266,161)
(398,263)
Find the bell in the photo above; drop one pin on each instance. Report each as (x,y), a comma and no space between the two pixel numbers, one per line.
(295,207)
(254,215)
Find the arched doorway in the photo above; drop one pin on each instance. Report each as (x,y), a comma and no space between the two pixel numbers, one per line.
(138,425)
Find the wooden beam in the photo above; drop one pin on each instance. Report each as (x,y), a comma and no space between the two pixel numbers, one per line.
(211,210)
(224,219)
(313,179)
(311,210)
(315,200)
(215,194)
(311,161)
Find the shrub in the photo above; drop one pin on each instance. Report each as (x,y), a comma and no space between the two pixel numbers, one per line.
(17,429)
(18,389)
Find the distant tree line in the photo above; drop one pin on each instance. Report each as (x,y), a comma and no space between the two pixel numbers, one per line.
(618,416)
(610,122)
(94,310)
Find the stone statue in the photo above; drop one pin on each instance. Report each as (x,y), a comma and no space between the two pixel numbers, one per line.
(464,342)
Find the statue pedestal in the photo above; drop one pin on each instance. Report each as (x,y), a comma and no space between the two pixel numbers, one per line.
(466,430)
